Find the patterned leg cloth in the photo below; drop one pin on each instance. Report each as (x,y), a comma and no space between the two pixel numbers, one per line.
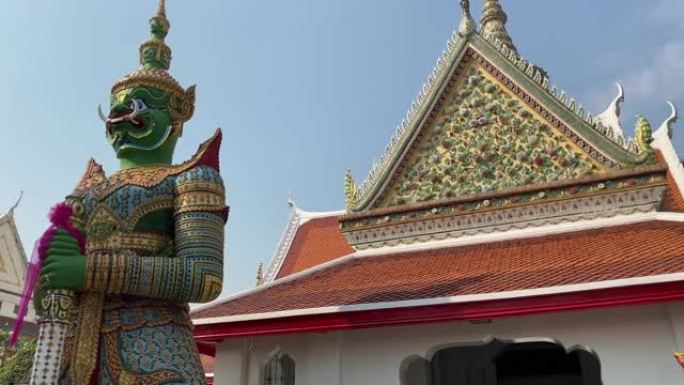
(149,356)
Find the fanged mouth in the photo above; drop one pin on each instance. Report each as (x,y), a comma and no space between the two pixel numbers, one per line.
(126,116)
(139,124)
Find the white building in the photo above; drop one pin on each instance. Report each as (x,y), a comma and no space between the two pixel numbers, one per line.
(506,237)
(12,275)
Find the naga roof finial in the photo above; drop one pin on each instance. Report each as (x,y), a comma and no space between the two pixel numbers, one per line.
(644,135)
(350,190)
(493,23)
(260,275)
(467,25)
(670,121)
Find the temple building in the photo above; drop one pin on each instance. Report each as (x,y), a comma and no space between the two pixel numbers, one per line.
(12,275)
(507,236)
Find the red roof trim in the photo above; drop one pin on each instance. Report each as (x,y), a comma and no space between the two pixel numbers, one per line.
(623,296)
(206,348)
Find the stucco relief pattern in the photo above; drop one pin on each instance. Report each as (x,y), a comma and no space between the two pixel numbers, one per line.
(485,139)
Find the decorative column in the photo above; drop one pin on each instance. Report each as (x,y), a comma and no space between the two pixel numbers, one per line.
(53,312)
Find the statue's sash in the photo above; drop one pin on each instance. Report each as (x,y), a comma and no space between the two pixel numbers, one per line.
(87,343)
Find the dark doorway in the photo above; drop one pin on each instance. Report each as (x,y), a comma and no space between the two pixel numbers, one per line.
(506,363)
(545,363)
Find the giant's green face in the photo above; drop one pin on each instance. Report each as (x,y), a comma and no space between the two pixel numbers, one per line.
(139,121)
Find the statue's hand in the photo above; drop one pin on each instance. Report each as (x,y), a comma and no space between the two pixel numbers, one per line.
(64,266)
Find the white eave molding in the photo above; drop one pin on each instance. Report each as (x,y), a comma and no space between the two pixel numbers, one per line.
(297,219)
(517,234)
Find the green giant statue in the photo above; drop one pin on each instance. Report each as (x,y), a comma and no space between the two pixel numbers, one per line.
(153,234)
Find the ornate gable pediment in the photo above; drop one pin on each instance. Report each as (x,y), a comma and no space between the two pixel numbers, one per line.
(487,124)
(485,138)
(490,143)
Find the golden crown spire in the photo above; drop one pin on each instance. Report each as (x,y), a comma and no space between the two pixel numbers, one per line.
(155,58)
(161,11)
(493,23)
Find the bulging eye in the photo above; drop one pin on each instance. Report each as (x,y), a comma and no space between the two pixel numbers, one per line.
(139,104)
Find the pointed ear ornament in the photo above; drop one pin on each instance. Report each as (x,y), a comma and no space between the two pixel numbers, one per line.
(182,106)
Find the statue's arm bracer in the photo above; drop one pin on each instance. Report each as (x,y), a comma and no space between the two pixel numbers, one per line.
(195,271)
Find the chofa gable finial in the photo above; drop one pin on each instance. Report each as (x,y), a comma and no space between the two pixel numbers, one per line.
(670,121)
(260,275)
(291,202)
(493,23)
(610,118)
(14,207)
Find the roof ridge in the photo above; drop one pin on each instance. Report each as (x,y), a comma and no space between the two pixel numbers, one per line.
(539,76)
(284,244)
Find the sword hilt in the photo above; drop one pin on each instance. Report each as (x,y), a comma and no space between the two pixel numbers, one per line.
(56,306)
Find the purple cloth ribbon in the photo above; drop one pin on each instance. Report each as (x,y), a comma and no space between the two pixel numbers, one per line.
(60,216)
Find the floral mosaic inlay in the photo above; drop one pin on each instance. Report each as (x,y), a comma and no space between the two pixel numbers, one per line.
(485,139)
(496,203)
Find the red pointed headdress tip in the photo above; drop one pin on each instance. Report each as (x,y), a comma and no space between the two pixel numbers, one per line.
(60,214)
(208,154)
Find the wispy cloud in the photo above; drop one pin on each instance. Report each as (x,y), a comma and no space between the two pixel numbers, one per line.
(647,84)
(663,77)
(669,10)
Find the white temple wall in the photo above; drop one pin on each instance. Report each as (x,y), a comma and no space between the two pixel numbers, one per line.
(676,311)
(7,304)
(634,345)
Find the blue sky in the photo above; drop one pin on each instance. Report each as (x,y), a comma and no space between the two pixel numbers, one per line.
(303,89)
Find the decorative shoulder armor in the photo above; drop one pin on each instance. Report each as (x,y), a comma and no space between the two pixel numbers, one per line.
(200,188)
(93,176)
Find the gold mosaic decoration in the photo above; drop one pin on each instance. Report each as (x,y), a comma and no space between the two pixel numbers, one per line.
(486,139)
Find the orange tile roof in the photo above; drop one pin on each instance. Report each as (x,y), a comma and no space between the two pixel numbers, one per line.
(673,200)
(628,251)
(207,363)
(317,241)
